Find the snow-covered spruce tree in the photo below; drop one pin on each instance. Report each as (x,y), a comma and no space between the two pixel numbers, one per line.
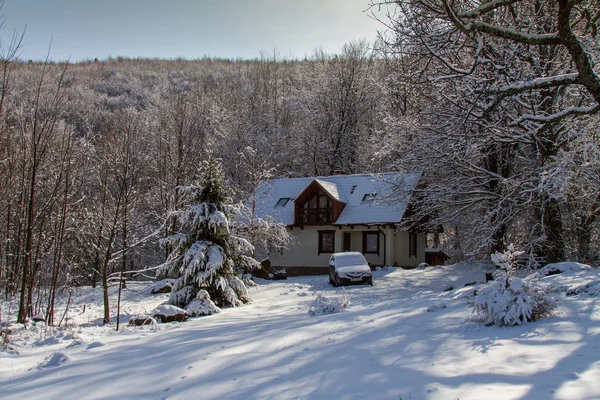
(510,300)
(204,256)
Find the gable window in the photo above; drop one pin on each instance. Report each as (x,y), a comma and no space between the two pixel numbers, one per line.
(371,243)
(317,210)
(282,202)
(412,244)
(369,197)
(326,241)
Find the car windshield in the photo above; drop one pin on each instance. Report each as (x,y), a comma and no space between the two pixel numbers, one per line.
(343,260)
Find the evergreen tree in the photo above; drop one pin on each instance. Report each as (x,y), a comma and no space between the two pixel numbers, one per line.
(205,257)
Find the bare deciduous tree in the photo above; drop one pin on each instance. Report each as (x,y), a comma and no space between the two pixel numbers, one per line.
(510,76)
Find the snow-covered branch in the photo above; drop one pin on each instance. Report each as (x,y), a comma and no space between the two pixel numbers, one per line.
(534,84)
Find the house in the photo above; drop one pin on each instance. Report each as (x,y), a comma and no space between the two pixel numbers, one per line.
(342,213)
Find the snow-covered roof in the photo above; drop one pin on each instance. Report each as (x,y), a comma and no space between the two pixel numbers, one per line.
(332,189)
(435,250)
(386,200)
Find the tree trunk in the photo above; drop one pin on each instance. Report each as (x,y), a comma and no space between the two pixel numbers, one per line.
(24,306)
(554,247)
(123,261)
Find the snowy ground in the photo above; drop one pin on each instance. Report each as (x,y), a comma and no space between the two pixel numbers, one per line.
(386,345)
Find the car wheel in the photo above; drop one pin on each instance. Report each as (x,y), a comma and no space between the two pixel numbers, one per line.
(370,282)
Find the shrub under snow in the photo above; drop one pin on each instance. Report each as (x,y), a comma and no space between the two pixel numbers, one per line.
(328,305)
(510,300)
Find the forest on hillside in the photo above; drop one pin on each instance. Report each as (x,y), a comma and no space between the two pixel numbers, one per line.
(496,102)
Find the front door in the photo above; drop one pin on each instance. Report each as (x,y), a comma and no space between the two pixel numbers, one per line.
(346,242)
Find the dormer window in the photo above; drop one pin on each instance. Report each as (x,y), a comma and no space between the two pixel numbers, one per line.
(318,204)
(369,197)
(317,210)
(282,202)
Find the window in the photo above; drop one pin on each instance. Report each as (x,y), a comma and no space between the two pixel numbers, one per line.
(369,197)
(412,244)
(317,210)
(371,243)
(326,241)
(282,202)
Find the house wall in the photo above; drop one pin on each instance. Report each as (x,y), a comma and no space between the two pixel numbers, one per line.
(400,252)
(304,254)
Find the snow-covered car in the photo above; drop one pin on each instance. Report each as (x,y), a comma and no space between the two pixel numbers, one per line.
(349,268)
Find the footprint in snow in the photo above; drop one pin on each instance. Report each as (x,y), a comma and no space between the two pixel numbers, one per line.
(432,389)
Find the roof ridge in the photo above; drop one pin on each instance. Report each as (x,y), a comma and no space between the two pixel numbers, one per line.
(349,175)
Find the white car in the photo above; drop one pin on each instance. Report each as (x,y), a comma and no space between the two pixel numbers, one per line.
(349,268)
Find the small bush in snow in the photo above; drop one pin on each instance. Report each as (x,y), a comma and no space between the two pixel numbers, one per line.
(510,300)
(4,337)
(328,305)
(142,319)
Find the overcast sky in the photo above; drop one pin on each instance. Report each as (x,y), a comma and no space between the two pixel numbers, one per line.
(85,29)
